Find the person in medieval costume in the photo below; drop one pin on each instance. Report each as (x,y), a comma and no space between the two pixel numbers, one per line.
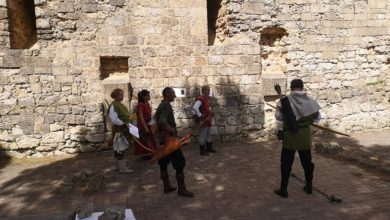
(144,113)
(166,127)
(297,111)
(120,118)
(202,110)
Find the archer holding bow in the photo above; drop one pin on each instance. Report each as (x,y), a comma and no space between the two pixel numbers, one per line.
(297,111)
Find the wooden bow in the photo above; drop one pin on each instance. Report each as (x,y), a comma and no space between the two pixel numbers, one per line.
(172,144)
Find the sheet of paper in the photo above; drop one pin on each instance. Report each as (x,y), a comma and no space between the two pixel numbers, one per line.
(133,130)
(128,215)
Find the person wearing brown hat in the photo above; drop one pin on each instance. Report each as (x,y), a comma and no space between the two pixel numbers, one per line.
(297,111)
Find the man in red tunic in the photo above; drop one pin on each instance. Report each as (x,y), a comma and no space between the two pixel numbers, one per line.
(202,110)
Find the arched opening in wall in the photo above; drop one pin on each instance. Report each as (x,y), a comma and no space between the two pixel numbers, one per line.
(114,73)
(22,24)
(273,61)
(273,68)
(213,11)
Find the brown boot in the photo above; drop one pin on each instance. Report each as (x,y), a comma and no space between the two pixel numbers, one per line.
(182,191)
(167,185)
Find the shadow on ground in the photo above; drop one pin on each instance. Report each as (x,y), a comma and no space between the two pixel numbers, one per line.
(34,186)
(368,151)
(235,183)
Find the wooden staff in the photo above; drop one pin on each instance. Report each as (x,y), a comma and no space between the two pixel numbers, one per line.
(320,126)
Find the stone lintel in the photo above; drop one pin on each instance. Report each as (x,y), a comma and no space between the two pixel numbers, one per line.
(270,79)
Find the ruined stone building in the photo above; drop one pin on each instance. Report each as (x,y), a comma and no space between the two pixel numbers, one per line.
(60,59)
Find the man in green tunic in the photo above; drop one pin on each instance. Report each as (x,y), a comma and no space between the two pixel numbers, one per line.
(297,111)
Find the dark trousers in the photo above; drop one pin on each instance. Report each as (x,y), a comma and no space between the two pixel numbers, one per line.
(177,159)
(287,160)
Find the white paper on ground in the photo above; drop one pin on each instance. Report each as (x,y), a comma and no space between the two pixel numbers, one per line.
(133,130)
(128,215)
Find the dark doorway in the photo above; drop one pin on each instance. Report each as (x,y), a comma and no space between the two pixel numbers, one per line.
(22,24)
(213,7)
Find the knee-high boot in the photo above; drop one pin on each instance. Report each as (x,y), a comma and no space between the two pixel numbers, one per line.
(285,173)
(202,150)
(167,185)
(182,190)
(209,148)
(309,169)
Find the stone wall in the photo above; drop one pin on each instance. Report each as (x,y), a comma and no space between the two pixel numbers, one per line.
(53,92)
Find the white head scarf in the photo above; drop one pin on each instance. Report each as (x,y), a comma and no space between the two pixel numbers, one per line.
(302,105)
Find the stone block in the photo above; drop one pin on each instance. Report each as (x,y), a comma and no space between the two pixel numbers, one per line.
(215,60)
(26,102)
(39,2)
(115,40)
(3,14)
(56,127)
(43,70)
(327,55)
(26,142)
(89,8)
(248,79)
(78,110)
(66,7)
(15,154)
(6,137)
(95,138)
(253,69)
(377,3)
(11,62)
(53,137)
(64,79)
(60,71)
(269,81)
(117,2)
(43,23)
(36,88)
(136,62)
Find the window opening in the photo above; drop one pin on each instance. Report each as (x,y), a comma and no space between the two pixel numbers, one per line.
(22,23)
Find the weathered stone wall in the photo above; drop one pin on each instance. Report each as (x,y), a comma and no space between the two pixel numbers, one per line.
(52,93)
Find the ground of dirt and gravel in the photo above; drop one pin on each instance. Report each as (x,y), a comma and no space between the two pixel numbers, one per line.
(235,183)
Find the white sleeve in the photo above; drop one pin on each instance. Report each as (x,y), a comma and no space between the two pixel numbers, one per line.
(114,117)
(196,108)
(278,112)
(318,118)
